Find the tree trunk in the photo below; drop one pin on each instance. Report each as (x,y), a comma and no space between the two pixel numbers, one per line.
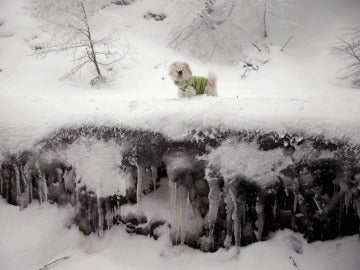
(265,26)
(91,43)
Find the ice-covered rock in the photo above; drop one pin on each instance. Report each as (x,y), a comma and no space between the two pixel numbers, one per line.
(225,189)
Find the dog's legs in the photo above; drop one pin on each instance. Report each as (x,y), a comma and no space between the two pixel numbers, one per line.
(190,91)
(181,93)
(210,91)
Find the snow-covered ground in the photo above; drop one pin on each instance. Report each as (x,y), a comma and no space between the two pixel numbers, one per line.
(296,91)
(40,235)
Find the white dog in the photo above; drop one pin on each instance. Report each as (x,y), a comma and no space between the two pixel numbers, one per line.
(189,85)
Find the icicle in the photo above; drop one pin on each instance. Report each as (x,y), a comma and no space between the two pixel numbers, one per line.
(70,180)
(41,199)
(45,189)
(42,189)
(141,175)
(260,219)
(275,207)
(1,184)
(17,180)
(28,181)
(341,211)
(130,179)
(295,202)
(356,206)
(229,219)
(172,207)
(24,197)
(214,201)
(184,216)
(154,175)
(179,209)
(89,212)
(236,218)
(100,229)
(243,209)
(60,179)
(177,218)
(109,214)
(207,242)
(7,189)
(182,207)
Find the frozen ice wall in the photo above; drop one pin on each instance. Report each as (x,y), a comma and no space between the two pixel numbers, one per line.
(222,189)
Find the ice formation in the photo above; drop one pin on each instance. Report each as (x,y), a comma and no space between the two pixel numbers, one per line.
(141,178)
(224,189)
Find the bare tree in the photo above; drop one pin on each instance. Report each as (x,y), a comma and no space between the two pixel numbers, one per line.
(73,34)
(348,48)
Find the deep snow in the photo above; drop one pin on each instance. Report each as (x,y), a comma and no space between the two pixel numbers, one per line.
(297,91)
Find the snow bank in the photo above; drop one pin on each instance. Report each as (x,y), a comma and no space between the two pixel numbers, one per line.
(176,118)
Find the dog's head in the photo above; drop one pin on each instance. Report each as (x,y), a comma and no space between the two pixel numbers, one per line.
(179,71)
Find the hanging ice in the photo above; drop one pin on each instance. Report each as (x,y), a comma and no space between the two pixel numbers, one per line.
(207,242)
(69,180)
(154,175)
(229,217)
(179,209)
(27,176)
(41,184)
(100,215)
(17,183)
(141,176)
(236,216)
(179,166)
(260,219)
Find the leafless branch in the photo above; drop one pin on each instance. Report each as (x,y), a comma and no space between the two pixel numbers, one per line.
(348,48)
(286,43)
(46,266)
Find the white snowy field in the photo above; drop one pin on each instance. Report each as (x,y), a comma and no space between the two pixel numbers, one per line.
(296,91)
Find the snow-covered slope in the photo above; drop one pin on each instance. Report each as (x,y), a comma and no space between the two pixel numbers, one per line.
(296,89)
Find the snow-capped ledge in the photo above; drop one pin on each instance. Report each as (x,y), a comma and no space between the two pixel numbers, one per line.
(330,118)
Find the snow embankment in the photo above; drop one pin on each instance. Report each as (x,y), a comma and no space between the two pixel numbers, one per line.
(26,120)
